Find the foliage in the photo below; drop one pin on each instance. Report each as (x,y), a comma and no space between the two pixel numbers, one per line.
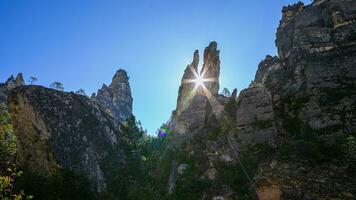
(7,138)
(265,78)
(308,145)
(8,149)
(57,85)
(226,92)
(347,144)
(233,174)
(334,96)
(63,184)
(7,186)
(256,84)
(261,124)
(80,91)
(130,180)
(230,108)
(33,79)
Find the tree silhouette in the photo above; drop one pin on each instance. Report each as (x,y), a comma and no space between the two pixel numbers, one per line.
(226,92)
(57,85)
(33,79)
(81,91)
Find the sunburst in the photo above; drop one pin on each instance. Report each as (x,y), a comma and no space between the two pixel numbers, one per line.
(198,79)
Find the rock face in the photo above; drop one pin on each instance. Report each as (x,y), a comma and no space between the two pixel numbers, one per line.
(211,68)
(10,84)
(63,130)
(312,85)
(315,68)
(116,97)
(185,94)
(304,96)
(255,116)
(194,105)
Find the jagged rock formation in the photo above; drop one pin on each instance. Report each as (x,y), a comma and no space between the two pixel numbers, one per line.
(57,129)
(281,138)
(116,97)
(186,88)
(10,84)
(304,96)
(315,67)
(211,68)
(312,84)
(194,106)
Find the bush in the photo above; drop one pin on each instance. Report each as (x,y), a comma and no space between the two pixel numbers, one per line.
(234,175)
(8,140)
(64,184)
(347,146)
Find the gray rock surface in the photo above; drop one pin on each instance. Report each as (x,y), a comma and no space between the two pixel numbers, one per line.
(308,88)
(10,84)
(116,98)
(194,106)
(64,130)
(255,116)
(314,77)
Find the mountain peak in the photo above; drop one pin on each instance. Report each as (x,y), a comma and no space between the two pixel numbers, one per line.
(116,97)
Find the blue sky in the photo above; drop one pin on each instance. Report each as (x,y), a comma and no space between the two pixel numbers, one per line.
(82,43)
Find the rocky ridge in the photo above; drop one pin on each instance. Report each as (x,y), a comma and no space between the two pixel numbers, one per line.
(116,98)
(193,105)
(10,84)
(304,96)
(64,130)
(61,130)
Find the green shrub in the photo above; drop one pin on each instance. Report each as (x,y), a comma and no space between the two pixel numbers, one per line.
(292,125)
(64,184)
(347,146)
(234,175)
(8,140)
(231,109)
(260,124)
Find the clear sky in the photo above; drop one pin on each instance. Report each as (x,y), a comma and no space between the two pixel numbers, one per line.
(82,43)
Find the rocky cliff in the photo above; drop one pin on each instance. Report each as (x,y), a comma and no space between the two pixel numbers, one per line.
(10,84)
(289,135)
(285,136)
(57,129)
(196,92)
(116,98)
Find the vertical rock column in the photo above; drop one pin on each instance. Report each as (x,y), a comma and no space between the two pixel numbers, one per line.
(211,68)
(116,97)
(186,88)
(194,106)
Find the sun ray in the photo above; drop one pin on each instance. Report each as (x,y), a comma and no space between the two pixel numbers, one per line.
(209,79)
(188,81)
(194,71)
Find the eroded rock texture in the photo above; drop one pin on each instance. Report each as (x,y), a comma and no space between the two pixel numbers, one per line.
(57,129)
(255,116)
(314,76)
(194,105)
(116,97)
(10,84)
(187,86)
(300,101)
(211,68)
(312,86)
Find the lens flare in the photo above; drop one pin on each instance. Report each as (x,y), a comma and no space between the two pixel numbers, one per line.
(163,132)
(199,81)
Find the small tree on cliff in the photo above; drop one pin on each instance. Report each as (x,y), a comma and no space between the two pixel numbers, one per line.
(226,92)
(33,80)
(81,91)
(57,85)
